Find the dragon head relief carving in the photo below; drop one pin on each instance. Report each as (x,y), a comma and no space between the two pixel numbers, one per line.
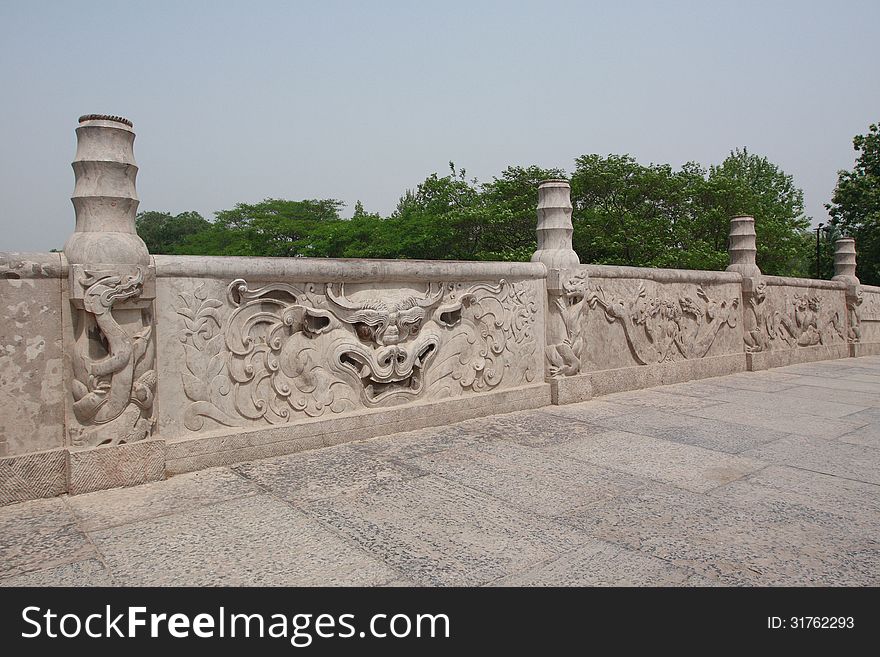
(314,348)
(105,288)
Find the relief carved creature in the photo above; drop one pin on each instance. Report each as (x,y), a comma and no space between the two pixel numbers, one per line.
(757,320)
(117,387)
(564,358)
(804,324)
(309,349)
(658,329)
(853,308)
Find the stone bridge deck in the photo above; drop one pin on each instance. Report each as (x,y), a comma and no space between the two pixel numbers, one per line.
(766,478)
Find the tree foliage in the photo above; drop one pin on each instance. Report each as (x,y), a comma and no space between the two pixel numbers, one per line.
(624,213)
(855,206)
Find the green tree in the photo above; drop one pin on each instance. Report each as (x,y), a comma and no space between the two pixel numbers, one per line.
(164,233)
(752,185)
(627,213)
(855,205)
(276,227)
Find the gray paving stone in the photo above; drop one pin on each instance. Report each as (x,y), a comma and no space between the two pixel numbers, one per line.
(867,436)
(782,401)
(693,468)
(834,503)
(80,573)
(778,420)
(717,435)
(588,411)
(660,400)
(412,444)
(529,479)
(755,381)
(436,532)
(820,380)
(324,473)
(39,534)
(534,429)
(731,544)
(598,563)
(811,394)
(709,390)
(825,456)
(180,493)
(255,541)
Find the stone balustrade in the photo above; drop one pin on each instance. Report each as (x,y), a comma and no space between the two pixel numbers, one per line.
(119,367)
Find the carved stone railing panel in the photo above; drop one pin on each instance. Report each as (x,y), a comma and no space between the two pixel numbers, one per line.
(620,322)
(780,316)
(869,314)
(265,353)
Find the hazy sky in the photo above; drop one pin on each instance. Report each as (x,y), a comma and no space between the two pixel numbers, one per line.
(239,101)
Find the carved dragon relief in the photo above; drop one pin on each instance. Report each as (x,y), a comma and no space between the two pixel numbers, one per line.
(282,351)
(113,366)
(656,329)
(783,322)
(853,309)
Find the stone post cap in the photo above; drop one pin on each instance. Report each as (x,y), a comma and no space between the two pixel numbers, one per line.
(845,261)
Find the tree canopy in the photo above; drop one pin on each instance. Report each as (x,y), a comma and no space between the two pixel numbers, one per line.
(855,206)
(624,213)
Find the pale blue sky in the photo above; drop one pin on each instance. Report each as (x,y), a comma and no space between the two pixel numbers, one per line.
(239,101)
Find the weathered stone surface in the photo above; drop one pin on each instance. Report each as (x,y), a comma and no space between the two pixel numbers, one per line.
(254,540)
(729,543)
(228,447)
(324,473)
(80,573)
(531,480)
(39,534)
(31,383)
(692,468)
(184,492)
(598,563)
(288,351)
(436,532)
(32,476)
(115,466)
(798,422)
(821,455)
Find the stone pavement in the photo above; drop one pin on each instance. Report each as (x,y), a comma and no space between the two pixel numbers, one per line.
(764,478)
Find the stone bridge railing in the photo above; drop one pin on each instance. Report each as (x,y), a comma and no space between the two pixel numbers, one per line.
(119,367)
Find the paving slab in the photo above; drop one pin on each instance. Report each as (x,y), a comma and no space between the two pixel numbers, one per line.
(779,420)
(437,532)
(823,456)
(40,534)
(528,479)
(729,543)
(598,563)
(179,493)
(692,468)
(255,540)
(324,473)
(90,572)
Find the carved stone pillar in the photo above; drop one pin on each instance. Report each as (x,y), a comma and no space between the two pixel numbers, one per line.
(845,270)
(111,287)
(566,287)
(742,249)
(554,226)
